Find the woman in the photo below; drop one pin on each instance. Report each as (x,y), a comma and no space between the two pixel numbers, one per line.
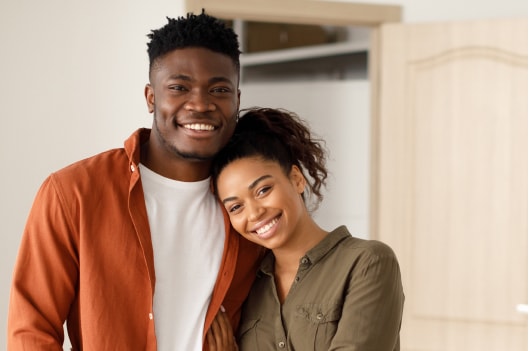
(316,290)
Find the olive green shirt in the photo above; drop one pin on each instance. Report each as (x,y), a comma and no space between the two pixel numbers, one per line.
(347,295)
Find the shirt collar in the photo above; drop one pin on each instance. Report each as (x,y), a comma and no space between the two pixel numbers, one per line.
(133,145)
(312,256)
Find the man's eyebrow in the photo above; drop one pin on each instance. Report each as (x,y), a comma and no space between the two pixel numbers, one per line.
(180,77)
(212,80)
(220,80)
(250,187)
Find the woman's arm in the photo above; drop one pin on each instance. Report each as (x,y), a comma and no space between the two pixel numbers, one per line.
(372,310)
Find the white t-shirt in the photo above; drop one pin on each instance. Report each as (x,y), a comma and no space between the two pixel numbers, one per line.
(187,230)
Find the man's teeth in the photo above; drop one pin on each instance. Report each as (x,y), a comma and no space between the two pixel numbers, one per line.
(199,126)
(267,227)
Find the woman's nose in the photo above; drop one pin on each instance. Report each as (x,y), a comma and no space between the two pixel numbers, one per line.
(255,211)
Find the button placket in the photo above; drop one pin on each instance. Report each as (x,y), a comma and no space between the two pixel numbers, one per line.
(304,265)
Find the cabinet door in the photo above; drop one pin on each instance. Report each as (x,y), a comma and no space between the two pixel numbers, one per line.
(451,180)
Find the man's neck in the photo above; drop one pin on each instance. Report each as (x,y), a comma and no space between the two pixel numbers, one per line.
(175,168)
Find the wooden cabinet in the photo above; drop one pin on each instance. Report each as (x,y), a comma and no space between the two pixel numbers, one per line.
(452,180)
(343,59)
(275,52)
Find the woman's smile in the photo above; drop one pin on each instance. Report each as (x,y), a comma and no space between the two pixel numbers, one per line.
(266,231)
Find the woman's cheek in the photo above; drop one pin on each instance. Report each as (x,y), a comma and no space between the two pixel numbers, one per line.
(237,225)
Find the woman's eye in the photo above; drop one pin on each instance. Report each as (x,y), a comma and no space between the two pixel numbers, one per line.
(234,208)
(264,190)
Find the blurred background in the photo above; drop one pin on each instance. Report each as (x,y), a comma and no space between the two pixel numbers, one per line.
(74,74)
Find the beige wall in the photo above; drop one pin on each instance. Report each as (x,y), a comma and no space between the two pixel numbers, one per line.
(72,78)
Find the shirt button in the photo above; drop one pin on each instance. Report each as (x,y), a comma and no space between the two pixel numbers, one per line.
(319,316)
(281,344)
(132,168)
(297,279)
(150,316)
(304,260)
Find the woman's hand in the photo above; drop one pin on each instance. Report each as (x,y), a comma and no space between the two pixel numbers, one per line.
(220,334)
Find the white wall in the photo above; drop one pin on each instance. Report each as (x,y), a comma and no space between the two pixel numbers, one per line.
(72,77)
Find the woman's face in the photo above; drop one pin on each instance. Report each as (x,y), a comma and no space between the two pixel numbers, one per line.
(265,205)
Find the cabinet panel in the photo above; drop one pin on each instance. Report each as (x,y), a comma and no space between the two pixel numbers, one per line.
(452,191)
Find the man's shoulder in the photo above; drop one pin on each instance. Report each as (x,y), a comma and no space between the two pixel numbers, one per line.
(102,173)
(97,164)
(115,160)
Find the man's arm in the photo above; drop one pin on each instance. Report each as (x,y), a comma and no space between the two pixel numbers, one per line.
(45,275)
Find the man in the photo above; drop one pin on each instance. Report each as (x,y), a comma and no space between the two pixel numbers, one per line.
(130,247)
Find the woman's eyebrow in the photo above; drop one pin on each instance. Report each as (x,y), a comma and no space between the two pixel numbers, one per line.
(255,182)
(250,187)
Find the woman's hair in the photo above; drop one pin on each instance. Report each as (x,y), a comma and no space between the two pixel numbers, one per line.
(276,135)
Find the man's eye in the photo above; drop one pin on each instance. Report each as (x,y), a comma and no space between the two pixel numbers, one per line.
(177,87)
(220,90)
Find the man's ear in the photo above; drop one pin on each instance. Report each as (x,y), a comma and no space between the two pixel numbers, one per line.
(149,97)
(298,179)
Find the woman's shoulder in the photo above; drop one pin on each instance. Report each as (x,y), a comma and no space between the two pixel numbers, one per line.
(363,246)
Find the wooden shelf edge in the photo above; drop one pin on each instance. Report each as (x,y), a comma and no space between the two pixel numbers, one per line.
(299,11)
(302,53)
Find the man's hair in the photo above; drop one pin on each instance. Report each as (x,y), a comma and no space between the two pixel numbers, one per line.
(199,31)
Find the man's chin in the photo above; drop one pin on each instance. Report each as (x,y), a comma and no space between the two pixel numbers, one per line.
(196,157)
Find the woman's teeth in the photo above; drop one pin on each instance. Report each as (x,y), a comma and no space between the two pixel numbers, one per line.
(266,227)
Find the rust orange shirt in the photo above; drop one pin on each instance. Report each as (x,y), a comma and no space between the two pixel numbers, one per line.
(86,258)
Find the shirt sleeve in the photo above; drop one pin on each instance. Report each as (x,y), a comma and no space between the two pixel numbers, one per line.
(372,311)
(45,275)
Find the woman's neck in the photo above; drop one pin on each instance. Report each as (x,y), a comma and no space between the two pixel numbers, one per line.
(287,258)
(308,237)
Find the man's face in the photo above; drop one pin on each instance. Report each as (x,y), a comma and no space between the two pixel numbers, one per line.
(194,96)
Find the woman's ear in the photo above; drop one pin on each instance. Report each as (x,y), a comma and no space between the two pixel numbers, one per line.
(298,179)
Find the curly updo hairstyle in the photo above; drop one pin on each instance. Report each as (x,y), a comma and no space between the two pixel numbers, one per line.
(276,135)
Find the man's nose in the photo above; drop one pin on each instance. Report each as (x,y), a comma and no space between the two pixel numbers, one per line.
(199,101)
